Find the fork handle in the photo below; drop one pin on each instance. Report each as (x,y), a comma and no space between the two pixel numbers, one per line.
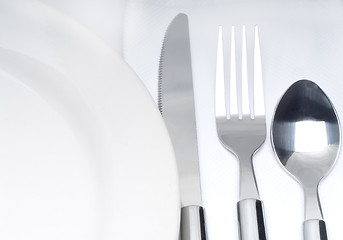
(251,219)
(315,229)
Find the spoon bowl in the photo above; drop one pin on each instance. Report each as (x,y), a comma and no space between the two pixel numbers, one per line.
(306,139)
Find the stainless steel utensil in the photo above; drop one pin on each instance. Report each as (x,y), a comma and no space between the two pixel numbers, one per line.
(306,139)
(242,130)
(176,104)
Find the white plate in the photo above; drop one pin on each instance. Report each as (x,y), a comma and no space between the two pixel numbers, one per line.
(84,153)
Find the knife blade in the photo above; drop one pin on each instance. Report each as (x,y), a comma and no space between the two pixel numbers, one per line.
(176,104)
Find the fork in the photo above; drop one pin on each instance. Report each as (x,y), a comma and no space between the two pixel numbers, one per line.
(240,120)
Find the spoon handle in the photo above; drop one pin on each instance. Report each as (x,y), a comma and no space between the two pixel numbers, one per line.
(315,229)
(251,219)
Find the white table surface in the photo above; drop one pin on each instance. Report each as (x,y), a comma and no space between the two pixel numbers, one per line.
(299,40)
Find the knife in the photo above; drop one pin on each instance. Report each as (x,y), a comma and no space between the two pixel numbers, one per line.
(176,104)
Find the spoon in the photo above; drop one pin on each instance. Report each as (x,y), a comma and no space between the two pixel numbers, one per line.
(305,136)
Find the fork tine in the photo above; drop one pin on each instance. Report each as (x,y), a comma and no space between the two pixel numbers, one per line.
(220,88)
(238,64)
(250,34)
(245,67)
(233,76)
(258,83)
(227,68)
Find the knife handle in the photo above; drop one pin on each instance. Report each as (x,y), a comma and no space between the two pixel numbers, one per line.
(192,223)
(315,229)
(251,219)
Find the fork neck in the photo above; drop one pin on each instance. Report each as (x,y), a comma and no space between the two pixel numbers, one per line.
(248,186)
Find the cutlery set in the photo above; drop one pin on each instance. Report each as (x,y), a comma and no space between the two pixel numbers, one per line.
(305,130)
